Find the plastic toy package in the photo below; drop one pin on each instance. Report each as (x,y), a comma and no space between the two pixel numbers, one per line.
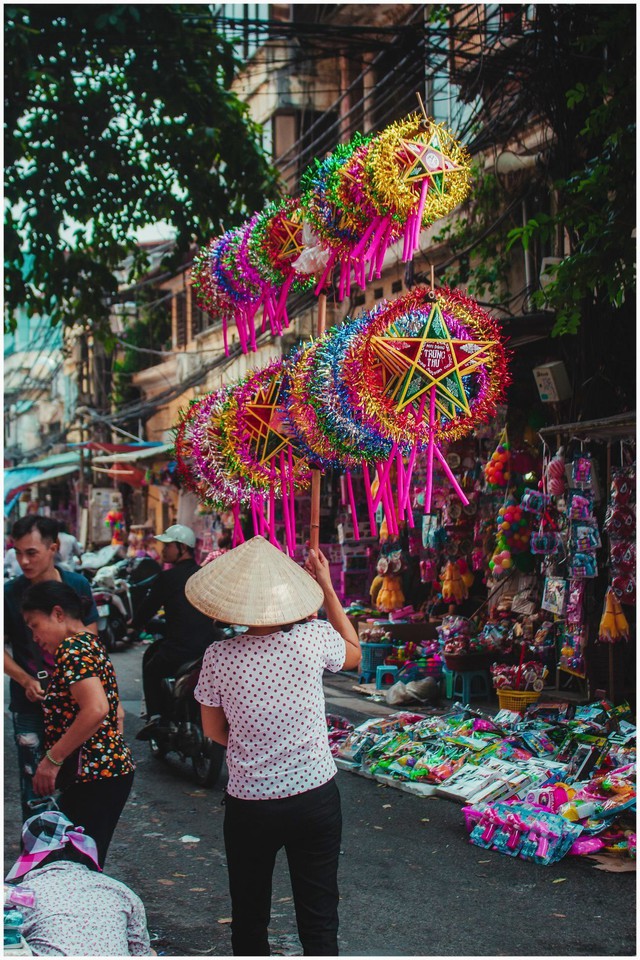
(521,829)
(581,470)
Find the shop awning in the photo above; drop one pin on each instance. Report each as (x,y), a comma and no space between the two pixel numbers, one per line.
(134,455)
(17,479)
(107,448)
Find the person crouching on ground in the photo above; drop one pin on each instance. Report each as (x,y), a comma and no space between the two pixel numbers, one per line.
(261,696)
(78,911)
(80,716)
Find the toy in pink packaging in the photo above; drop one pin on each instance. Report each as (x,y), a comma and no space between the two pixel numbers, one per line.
(575,602)
(580,505)
(550,798)
(581,470)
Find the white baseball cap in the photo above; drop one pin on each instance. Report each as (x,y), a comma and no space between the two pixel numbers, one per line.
(178,533)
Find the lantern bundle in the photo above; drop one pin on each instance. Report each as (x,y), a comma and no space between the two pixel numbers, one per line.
(355,203)
(374,394)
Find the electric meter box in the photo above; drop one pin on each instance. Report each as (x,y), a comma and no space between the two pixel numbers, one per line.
(552,382)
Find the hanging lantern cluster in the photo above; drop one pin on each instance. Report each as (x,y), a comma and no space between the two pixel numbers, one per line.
(355,203)
(373,393)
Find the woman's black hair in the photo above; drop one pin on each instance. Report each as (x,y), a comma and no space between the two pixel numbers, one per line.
(68,853)
(52,593)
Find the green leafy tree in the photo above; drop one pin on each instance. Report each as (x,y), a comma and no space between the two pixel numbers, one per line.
(589,97)
(117,117)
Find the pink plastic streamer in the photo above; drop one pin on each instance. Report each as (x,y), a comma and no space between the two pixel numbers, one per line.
(370,505)
(447,469)
(432,421)
(383,475)
(254,516)
(352,503)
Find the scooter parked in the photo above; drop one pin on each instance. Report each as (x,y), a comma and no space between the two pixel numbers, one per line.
(180,730)
(118,590)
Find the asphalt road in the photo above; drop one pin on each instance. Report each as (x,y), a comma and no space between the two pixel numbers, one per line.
(411,883)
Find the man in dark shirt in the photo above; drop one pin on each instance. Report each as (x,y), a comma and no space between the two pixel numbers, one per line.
(36,543)
(188,632)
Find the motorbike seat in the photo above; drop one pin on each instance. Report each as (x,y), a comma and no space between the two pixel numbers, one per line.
(188,667)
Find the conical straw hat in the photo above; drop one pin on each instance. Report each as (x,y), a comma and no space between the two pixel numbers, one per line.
(254,584)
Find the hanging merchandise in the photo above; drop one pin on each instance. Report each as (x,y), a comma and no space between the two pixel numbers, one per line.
(373,191)
(613,625)
(454,589)
(386,589)
(581,470)
(620,527)
(555,475)
(116,522)
(497,472)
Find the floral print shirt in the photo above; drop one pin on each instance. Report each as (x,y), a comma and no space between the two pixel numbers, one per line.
(105,754)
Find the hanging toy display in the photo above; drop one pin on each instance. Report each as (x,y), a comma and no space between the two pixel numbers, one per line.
(386,589)
(497,471)
(454,589)
(116,522)
(555,475)
(613,625)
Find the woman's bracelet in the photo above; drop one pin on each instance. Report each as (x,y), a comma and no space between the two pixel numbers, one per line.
(56,763)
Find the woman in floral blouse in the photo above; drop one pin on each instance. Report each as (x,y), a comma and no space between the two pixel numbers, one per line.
(81,716)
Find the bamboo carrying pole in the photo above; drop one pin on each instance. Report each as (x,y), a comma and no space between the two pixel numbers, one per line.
(316,476)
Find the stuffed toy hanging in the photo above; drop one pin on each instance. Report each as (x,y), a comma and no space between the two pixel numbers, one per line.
(454,589)
(386,590)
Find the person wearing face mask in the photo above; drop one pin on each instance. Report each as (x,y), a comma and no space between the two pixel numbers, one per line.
(85,755)
(35,540)
(187,633)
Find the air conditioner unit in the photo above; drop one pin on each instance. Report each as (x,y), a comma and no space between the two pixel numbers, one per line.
(552,382)
(547,273)
(187,364)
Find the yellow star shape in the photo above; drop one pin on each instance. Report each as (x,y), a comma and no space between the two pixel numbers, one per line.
(291,238)
(431,360)
(265,423)
(421,160)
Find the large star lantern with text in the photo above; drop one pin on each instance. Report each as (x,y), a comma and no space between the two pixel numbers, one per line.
(431,360)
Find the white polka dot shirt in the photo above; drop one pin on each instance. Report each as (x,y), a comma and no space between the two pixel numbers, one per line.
(270,689)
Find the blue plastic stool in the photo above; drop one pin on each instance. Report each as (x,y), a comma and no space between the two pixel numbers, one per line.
(467,685)
(385,671)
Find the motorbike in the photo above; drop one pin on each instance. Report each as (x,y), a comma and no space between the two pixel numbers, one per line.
(94,560)
(181,728)
(118,590)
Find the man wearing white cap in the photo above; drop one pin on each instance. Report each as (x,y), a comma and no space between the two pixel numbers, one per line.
(188,632)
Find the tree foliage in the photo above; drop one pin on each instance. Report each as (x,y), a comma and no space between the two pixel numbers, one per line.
(117,117)
(589,97)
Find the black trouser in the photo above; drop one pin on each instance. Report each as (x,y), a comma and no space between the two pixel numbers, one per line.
(309,827)
(96,805)
(159,661)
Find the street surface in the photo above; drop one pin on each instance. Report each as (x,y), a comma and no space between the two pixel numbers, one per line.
(411,883)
